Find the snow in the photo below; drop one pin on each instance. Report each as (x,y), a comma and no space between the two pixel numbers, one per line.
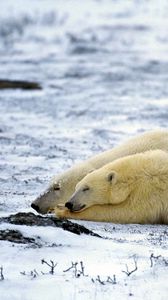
(121,245)
(103,68)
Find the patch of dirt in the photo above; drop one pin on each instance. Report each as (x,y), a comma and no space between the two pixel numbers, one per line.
(15,236)
(19,84)
(31,219)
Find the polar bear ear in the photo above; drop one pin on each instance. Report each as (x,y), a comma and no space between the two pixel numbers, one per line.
(112,177)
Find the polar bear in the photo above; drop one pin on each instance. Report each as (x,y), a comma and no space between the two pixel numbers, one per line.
(132,189)
(63,185)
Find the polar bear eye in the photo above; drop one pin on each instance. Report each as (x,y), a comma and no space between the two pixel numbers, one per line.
(111,177)
(86,188)
(56,188)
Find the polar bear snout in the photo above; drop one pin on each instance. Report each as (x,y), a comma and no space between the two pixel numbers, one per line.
(73,205)
(69,205)
(34,206)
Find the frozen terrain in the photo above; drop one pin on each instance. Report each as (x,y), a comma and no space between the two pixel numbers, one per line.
(103,67)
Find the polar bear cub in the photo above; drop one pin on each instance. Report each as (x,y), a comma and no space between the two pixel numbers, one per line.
(133,189)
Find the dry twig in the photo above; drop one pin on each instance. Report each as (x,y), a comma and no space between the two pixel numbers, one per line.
(99,280)
(156,258)
(108,280)
(52,265)
(134,270)
(1,274)
(77,272)
(112,280)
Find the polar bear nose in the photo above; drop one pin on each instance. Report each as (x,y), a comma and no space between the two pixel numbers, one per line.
(34,206)
(69,205)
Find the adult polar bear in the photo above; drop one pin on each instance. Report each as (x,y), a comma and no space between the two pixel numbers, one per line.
(134,188)
(63,186)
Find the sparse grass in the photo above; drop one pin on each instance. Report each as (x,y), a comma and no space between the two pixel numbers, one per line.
(129,272)
(103,282)
(51,265)
(155,259)
(1,274)
(78,270)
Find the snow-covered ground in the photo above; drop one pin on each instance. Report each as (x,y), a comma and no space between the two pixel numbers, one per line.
(103,67)
(106,263)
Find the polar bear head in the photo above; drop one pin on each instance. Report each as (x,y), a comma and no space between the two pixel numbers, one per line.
(135,175)
(60,188)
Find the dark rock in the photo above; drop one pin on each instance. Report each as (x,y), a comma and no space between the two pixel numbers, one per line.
(15,236)
(19,84)
(31,219)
